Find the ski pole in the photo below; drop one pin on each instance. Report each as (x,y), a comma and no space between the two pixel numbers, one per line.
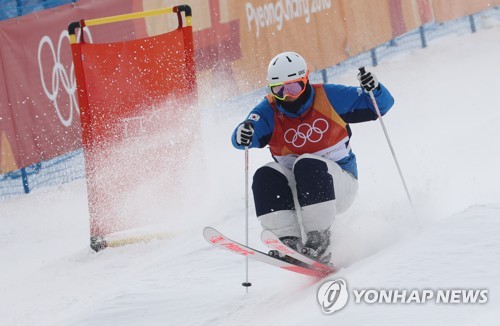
(374,101)
(246,283)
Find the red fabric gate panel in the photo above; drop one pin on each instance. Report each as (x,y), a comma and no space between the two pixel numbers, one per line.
(129,93)
(124,78)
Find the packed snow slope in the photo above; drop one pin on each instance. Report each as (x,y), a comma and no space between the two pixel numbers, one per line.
(444,127)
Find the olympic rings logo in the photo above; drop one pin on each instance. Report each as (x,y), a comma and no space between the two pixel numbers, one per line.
(61,79)
(306,132)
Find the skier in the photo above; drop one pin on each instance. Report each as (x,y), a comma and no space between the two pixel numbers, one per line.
(306,126)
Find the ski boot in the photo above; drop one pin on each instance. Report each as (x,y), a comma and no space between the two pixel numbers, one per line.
(292,242)
(317,246)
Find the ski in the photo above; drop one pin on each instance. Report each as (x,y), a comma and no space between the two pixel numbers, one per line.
(273,242)
(219,240)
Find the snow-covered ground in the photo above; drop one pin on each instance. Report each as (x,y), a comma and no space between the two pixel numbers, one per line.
(444,127)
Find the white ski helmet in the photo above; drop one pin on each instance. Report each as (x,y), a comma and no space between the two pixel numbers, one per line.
(286,66)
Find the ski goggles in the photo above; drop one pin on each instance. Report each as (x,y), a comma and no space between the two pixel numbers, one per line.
(292,89)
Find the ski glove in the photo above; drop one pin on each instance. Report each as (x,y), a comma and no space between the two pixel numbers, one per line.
(368,81)
(244,133)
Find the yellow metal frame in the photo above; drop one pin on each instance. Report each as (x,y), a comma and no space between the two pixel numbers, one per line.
(135,15)
(123,241)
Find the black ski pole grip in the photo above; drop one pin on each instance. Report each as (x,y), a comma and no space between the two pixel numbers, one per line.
(362,70)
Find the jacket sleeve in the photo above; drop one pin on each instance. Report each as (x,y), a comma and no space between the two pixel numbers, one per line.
(262,119)
(354,105)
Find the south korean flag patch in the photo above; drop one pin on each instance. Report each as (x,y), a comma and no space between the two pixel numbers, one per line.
(254,117)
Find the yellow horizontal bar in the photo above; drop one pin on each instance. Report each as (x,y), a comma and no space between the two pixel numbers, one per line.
(135,15)
(123,241)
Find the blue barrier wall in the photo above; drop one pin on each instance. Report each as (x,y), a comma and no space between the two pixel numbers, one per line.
(16,8)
